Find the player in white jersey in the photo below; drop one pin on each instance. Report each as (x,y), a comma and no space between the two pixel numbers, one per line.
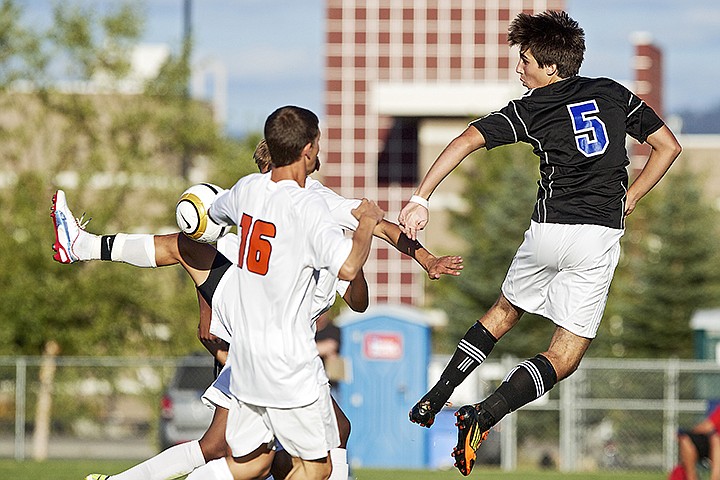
(287,236)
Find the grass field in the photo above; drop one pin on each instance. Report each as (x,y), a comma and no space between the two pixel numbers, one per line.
(77,470)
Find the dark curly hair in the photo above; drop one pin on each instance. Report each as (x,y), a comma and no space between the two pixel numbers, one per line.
(553,38)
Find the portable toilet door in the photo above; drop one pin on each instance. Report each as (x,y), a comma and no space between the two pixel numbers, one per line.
(387,353)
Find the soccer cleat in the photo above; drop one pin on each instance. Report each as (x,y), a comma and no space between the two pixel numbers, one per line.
(97,476)
(67,229)
(470,437)
(422,414)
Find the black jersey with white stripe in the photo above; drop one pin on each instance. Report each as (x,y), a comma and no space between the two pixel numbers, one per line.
(578,128)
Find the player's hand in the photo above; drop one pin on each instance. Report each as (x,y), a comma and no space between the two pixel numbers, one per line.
(206,337)
(447,265)
(412,219)
(368,208)
(630,204)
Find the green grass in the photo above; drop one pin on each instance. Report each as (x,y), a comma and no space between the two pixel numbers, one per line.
(492,474)
(78,469)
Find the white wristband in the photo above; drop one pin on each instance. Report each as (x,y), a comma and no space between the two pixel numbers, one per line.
(420,201)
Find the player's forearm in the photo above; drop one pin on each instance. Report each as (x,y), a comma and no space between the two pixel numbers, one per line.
(665,149)
(391,233)
(362,239)
(356,295)
(462,146)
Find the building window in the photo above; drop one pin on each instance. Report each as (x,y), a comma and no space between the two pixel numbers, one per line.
(398,159)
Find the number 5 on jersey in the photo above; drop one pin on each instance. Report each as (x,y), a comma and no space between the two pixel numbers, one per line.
(590,134)
(255,248)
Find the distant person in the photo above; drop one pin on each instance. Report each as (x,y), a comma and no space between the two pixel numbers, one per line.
(701,443)
(577,127)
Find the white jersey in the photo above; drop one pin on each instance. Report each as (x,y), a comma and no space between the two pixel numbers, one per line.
(340,207)
(328,286)
(224,299)
(286,238)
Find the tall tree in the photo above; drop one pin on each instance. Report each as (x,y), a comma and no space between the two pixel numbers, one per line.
(670,268)
(118,157)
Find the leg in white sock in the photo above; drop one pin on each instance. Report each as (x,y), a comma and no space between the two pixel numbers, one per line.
(171,463)
(215,469)
(338,456)
(135,249)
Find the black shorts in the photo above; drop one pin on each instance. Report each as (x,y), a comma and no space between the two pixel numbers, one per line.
(701,442)
(219,267)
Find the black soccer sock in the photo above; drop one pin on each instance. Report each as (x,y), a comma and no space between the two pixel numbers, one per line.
(106,244)
(525,383)
(472,350)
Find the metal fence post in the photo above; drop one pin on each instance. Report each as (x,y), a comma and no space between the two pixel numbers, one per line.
(20,396)
(508,442)
(568,425)
(508,428)
(670,416)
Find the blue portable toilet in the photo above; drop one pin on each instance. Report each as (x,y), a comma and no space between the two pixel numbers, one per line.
(386,352)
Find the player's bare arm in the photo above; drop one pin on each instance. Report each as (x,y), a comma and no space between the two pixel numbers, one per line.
(356,295)
(665,149)
(368,215)
(434,266)
(217,347)
(414,217)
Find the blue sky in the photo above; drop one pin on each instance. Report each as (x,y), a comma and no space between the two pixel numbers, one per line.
(273,49)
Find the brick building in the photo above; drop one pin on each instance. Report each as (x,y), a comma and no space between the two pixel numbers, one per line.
(403,77)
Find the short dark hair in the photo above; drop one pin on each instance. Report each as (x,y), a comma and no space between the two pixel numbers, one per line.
(552,37)
(287,130)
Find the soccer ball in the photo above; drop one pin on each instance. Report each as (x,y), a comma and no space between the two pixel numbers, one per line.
(191,213)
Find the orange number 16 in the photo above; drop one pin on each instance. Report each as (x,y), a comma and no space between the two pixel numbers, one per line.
(259,247)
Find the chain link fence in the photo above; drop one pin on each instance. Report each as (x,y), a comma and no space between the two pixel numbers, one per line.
(609,415)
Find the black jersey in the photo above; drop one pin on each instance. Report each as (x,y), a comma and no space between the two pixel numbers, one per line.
(577,127)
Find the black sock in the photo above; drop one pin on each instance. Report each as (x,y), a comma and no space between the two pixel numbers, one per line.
(525,383)
(472,350)
(106,244)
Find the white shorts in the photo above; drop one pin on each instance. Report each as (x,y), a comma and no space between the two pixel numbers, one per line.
(308,432)
(218,394)
(563,273)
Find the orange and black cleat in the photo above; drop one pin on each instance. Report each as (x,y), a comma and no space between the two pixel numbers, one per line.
(470,437)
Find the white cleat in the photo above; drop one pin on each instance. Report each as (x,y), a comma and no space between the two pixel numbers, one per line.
(67,229)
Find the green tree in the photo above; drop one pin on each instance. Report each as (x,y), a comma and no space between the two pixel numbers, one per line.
(119,158)
(500,195)
(670,267)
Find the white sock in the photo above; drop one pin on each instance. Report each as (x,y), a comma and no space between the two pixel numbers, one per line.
(338,457)
(87,246)
(135,249)
(215,469)
(171,463)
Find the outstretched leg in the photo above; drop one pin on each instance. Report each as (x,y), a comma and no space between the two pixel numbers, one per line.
(73,243)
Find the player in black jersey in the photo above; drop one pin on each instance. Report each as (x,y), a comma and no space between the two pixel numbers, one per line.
(577,126)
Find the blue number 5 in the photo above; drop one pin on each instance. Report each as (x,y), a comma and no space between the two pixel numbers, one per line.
(585,123)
